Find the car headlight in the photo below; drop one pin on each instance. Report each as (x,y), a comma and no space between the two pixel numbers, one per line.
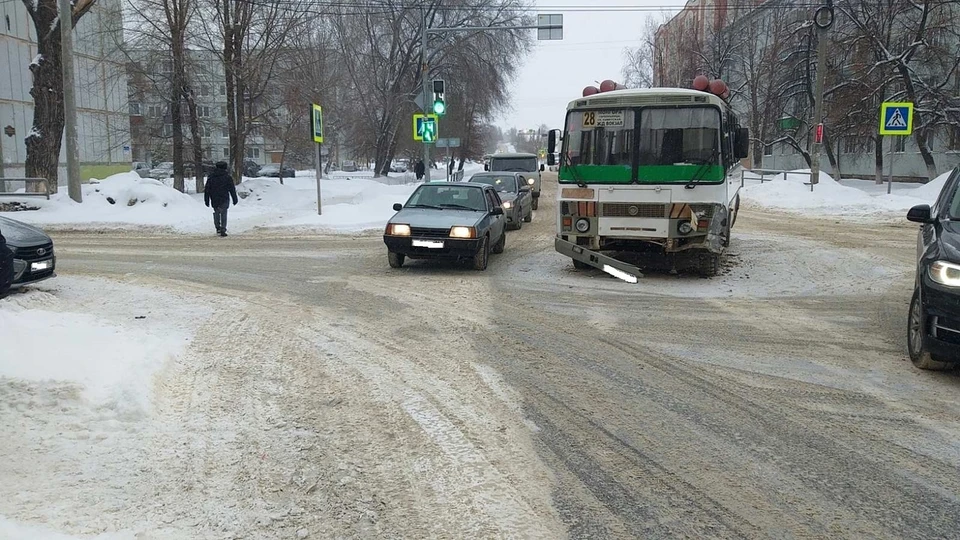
(398,229)
(583,225)
(530,181)
(945,273)
(507,205)
(463,232)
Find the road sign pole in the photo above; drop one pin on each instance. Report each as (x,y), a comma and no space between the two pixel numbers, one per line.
(818,95)
(890,159)
(319,175)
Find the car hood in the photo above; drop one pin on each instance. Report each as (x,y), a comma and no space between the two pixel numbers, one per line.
(507,196)
(437,219)
(22,235)
(950,241)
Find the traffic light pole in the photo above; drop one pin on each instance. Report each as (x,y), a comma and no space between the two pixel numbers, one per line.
(426,100)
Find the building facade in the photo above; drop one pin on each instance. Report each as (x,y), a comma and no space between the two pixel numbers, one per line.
(103,124)
(149,87)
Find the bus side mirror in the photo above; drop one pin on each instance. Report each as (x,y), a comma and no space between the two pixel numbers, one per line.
(742,143)
(552,142)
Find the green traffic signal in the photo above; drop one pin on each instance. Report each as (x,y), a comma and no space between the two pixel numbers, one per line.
(439,107)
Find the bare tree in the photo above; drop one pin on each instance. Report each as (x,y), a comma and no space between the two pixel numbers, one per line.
(43,142)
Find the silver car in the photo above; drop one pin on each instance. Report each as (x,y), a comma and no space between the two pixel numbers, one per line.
(515,191)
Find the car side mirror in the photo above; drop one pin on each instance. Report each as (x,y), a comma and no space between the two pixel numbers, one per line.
(498,211)
(525,188)
(397,207)
(920,214)
(742,143)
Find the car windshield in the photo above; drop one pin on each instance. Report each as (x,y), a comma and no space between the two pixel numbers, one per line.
(448,196)
(502,183)
(519,164)
(685,136)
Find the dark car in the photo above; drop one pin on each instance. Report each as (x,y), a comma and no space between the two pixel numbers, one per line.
(933,328)
(514,192)
(522,163)
(251,169)
(32,254)
(272,170)
(461,221)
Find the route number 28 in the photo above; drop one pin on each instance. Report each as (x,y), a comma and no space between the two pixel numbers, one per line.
(589,119)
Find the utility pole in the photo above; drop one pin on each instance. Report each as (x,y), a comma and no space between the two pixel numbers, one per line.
(823,20)
(69,102)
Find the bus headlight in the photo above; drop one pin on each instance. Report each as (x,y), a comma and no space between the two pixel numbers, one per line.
(685,227)
(583,225)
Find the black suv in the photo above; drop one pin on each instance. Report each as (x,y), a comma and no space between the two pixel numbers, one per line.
(32,257)
(933,328)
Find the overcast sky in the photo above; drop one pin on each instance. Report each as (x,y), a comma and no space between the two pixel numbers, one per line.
(591,50)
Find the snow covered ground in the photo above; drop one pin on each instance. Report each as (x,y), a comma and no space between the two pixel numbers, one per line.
(352,202)
(77,370)
(847,198)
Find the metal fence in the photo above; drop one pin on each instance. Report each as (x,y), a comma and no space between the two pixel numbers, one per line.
(24,187)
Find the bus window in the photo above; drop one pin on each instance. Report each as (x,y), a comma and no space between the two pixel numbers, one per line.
(600,137)
(680,136)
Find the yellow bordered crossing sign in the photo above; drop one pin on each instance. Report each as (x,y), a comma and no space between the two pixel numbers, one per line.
(317,123)
(425,126)
(896,118)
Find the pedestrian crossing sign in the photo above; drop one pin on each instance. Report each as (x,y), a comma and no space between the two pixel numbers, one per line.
(896,118)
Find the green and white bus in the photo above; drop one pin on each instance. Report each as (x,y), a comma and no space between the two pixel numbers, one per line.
(651,173)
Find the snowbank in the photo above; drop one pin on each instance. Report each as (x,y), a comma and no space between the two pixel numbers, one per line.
(828,197)
(126,201)
(931,190)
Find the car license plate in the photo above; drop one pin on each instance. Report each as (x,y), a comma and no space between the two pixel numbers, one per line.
(40,266)
(433,244)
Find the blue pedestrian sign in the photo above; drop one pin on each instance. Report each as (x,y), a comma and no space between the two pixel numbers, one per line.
(896,118)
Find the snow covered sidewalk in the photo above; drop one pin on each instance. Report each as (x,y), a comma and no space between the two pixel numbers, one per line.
(847,199)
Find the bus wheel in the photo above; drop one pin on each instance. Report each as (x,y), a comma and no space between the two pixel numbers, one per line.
(708,264)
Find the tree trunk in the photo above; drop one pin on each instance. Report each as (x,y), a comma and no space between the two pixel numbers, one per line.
(878,159)
(921,138)
(43,141)
(831,157)
(230,80)
(195,136)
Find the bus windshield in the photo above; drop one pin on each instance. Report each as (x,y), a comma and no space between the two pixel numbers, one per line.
(667,145)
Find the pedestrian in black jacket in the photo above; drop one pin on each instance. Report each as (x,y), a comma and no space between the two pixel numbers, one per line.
(218,190)
(420,170)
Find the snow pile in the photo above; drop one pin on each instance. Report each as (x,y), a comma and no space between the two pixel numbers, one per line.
(111,362)
(828,197)
(126,201)
(931,190)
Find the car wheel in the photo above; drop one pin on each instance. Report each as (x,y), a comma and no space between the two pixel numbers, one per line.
(536,202)
(580,265)
(529,217)
(916,333)
(483,254)
(502,243)
(395,259)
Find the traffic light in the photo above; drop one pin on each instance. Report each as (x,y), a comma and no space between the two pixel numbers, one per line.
(439,105)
